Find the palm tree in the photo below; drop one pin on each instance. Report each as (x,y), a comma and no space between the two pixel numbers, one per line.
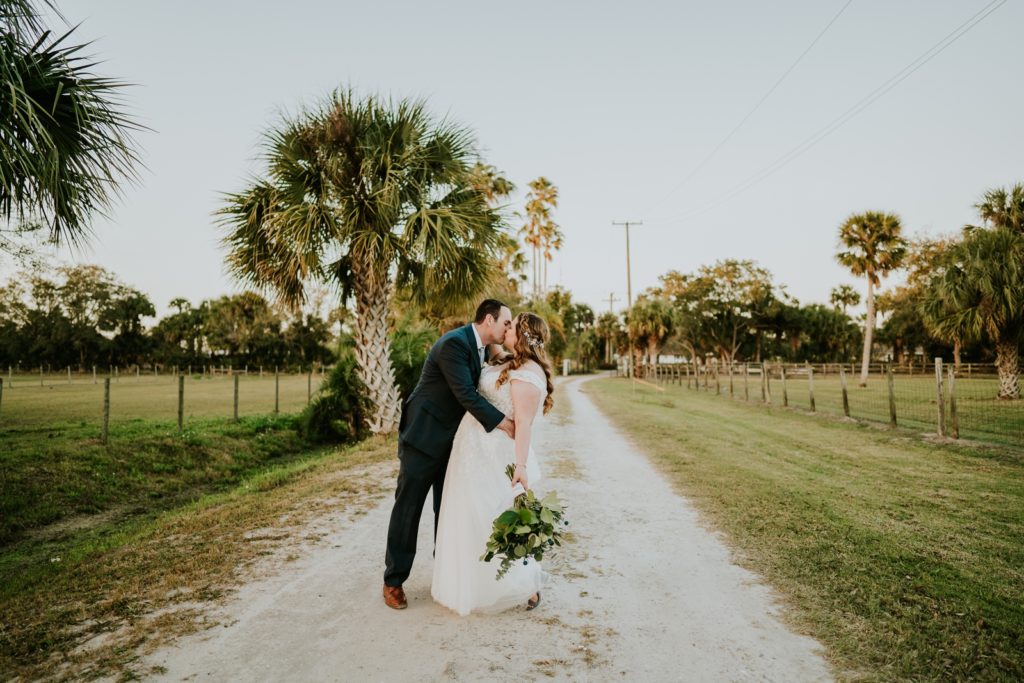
(1003,209)
(607,326)
(371,195)
(844,296)
(874,248)
(540,231)
(651,323)
(976,289)
(65,141)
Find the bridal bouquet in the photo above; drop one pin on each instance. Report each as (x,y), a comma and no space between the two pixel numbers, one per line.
(525,530)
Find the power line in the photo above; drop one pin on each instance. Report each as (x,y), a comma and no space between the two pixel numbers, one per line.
(857,108)
(750,113)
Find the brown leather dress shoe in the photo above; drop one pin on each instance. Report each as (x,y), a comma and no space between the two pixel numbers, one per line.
(394,597)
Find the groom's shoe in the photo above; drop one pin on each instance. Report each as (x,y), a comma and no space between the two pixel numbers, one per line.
(394,597)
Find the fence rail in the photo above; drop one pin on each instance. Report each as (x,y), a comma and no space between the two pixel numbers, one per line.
(934,396)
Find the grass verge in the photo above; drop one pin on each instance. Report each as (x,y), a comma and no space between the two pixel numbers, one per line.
(86,603)
(904,558)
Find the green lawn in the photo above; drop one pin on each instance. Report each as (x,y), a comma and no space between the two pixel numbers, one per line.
(57,403)
(903,557)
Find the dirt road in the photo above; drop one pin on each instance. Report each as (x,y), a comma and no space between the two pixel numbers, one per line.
(644,593)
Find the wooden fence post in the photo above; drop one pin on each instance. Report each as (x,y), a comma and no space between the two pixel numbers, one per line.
(731,392)
(277,390)
(236,398)
(810,384)
(40,375)
(766,388)
(892,397)
(1,392)
(954,422)
(181,402)
(940,397)
(846,397)
(106,411)
(785,394)
(309,387)
(69,374)
(94,374)
(718,383)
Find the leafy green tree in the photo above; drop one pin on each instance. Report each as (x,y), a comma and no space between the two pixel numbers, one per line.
(371,195)
(873,247)
(65,139)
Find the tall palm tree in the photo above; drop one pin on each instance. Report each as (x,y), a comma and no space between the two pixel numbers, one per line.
(370,195)
(874,247)
(540,231)
(65,141)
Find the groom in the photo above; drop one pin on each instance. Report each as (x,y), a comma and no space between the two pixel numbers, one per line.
(430,418)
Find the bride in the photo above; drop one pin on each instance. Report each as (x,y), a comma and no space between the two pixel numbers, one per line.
(476,489)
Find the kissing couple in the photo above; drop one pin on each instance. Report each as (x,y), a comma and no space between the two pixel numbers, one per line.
(470,416)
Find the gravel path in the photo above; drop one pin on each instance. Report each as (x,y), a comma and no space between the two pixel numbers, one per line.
(644,593)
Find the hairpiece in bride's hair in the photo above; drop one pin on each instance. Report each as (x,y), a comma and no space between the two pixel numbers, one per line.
(533,341)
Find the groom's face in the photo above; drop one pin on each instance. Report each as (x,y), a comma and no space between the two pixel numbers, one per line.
(496,328)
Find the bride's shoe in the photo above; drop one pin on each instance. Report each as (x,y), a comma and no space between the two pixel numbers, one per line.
(532,604)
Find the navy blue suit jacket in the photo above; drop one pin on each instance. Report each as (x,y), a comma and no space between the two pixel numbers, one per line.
(445,392)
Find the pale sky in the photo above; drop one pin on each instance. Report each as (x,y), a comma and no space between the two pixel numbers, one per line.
(616,103)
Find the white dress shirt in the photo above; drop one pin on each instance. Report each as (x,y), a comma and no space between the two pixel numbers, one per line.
(479,345)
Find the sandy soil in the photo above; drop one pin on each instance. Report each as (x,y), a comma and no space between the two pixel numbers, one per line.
(644,593)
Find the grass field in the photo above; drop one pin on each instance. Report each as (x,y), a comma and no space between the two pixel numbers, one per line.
(980,415)
(905,558)
(80,403)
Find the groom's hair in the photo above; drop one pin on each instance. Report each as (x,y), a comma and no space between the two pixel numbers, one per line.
(488,307)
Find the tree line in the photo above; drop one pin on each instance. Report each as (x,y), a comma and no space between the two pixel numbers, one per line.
(963,298)
(81,316)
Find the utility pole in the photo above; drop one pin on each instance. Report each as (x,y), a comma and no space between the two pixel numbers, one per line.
(629,292)
(629,278)
(611,302)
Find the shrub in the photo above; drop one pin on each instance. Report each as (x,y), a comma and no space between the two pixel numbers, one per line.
(339,411)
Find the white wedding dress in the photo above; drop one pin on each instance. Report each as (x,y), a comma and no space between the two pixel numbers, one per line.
(476,491)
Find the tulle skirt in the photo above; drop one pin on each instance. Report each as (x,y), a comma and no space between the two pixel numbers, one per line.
(476,491)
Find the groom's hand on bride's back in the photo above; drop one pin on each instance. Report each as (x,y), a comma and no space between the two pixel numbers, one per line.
(509,427)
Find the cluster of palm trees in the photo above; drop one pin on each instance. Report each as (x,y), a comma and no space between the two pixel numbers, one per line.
(968,289)
(540,232)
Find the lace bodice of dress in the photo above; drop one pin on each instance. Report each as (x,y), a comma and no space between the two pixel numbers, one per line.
(501,397)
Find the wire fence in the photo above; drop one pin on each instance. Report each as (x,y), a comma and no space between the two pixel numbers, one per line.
(932,397)
(39,399)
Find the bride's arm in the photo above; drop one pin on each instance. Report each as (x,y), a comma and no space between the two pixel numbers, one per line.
(525,399)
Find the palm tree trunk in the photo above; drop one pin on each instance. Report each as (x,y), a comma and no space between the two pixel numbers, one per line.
(1009,369)
(373,350)
(869,331)
(956,356)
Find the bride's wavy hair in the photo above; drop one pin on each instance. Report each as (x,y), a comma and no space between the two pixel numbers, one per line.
(532,333)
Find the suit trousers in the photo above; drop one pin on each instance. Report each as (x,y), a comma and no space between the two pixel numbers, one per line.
(417,474)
